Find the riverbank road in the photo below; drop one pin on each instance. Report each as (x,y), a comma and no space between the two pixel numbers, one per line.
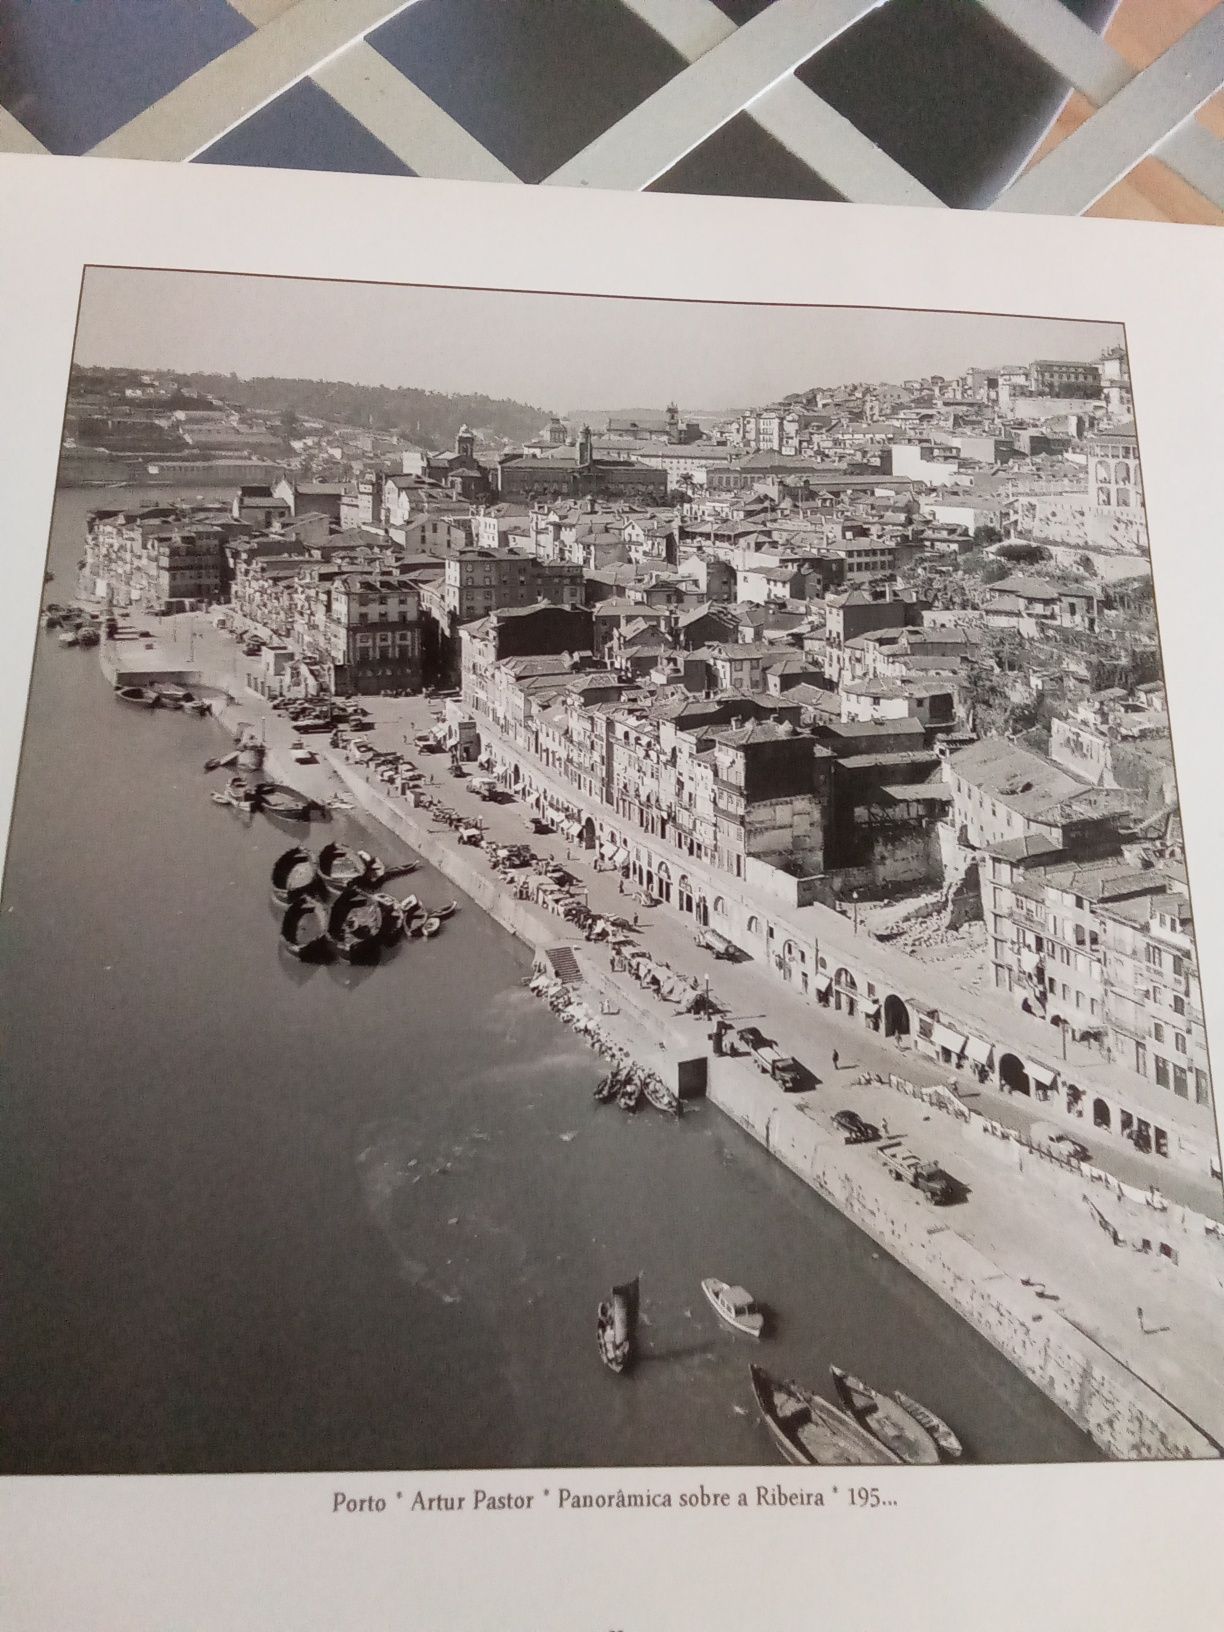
(1164,1325)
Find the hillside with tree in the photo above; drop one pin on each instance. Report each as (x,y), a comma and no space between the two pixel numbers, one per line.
(429,417)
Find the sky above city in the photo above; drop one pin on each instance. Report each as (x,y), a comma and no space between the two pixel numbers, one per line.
(559,352)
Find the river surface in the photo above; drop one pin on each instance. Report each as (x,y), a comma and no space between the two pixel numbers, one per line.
(264,1218)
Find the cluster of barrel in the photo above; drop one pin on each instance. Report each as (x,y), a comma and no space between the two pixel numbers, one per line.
(333,906)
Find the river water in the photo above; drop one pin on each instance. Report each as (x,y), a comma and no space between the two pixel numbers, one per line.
(266,1218)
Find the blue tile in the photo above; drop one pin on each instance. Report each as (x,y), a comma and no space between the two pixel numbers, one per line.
(74,71)
(304,129)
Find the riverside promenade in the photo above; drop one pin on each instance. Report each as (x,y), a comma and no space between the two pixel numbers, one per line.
(1126,1343)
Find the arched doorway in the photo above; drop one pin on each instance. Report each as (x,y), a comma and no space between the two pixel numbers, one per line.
(684,890)
(1013,1076)
(665,882)
(588,833)
(1101,1117)
(516,775)
(845,990)
(703,911)
(896,1017)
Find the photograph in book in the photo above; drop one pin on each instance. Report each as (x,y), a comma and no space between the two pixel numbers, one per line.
(599,882)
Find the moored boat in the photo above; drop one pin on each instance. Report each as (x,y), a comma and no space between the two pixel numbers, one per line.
(430,927)
(629,1094)
(734,1305)
(448,911)
(198,706)
(139,696)
(392,920)
(885,1419)
(811,1432)
(303,931)
(173,696)
(68,637)
(355,926)
(340,868)
(88,636)
(950,1447)
(293,873)
(276,799)
(616,1326)
(661,1096)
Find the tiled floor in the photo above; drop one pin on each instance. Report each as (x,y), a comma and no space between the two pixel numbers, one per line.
(933,101)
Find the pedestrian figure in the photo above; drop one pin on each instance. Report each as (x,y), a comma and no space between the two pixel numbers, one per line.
(836,1060)
(635,922)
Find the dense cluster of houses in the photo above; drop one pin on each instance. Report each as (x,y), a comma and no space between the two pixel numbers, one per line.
(875,641)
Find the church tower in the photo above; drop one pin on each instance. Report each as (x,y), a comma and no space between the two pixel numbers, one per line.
(586,455)
(465,445)
(673,422)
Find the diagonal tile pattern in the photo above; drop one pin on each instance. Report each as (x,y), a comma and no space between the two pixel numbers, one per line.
(926,102)
(74,71)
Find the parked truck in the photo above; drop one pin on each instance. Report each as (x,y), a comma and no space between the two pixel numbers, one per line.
(928,1177)
(768,1057)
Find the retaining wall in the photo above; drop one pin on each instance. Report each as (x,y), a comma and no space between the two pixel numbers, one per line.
(1118,1410)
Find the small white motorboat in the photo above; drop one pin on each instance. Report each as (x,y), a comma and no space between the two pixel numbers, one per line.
(735,1306)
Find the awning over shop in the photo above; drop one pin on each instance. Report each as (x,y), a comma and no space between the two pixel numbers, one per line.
(824,984)
(621,858)
(608,851)
(945,1037)
(980,1052)
(871,1008)
(1042,1075)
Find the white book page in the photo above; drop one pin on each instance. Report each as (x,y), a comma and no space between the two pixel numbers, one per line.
(533,1542)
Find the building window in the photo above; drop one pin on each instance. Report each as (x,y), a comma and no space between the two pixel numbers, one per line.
(1202,1091)
(1162,1070)
(1179,1042)
(1180,1085)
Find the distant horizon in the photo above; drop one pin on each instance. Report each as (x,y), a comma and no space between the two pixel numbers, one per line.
(546,351)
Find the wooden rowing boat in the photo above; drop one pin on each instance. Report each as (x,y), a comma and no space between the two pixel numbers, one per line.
(811,1432)
(616,1326)
(950,1447)
(885,1419)
(303,931)
(293,873)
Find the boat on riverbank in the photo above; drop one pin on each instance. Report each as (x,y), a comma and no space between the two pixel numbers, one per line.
(885,1420)
(355,927)
(304,931)
(277,799)
(340,868)
(173,696)
(811,1432)
(735,1306)
(950,1447)
(293,873)
(137,696)
(88,636)
(68,637)
(616,1326)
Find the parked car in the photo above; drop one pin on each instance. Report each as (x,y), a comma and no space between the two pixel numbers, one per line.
(857,1130)
(783,1068)
(927,1177)
(301,755)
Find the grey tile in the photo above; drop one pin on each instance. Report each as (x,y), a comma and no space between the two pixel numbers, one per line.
(944,90)
(745,161)
(304,129)
(74,71)
(533,80)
